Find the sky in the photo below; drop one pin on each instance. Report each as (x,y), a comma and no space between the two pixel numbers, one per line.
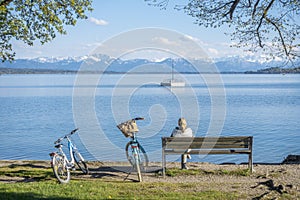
(112,18)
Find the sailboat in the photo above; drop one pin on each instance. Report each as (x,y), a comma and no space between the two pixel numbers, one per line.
(173,82)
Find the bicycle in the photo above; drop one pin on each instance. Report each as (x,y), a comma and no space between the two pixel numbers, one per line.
(135,153)
(61,165)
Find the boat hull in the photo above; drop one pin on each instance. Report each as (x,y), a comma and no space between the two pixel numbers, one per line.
(173,83)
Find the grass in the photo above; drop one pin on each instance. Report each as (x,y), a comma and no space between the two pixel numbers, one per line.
(34,180)
(106,190)
(27,172)
(178,172)
(40,183)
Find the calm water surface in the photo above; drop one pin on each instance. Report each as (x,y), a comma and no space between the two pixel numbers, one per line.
(37,109)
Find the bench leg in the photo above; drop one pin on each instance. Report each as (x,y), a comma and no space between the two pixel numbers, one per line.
(163,164)
(250,155)
(250,162)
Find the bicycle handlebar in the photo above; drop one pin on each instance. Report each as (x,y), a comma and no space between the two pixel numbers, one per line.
(71,133)
(139,118)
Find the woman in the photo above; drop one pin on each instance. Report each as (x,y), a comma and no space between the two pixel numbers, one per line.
(183,131)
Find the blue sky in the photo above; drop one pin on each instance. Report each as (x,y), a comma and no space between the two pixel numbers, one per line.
(111,18)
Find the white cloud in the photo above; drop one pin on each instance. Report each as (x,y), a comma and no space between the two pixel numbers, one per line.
(213,51)
(189,37)
(99,22)
(165,41)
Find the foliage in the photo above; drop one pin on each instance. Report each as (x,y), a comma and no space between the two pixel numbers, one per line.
(276,70)
(41,20)
(271,25)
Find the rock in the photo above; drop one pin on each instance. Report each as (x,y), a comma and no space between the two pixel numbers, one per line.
(292,159)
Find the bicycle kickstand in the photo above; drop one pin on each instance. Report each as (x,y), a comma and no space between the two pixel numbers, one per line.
(129,173)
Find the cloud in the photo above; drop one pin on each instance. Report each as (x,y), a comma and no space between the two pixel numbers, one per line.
(189,37)
(213,51)
(164,41)
(99,22)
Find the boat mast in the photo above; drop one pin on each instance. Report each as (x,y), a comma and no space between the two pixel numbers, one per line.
(172,70)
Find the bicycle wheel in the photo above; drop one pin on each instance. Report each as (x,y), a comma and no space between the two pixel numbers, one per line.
(143,157)
(60,169)
(81,164)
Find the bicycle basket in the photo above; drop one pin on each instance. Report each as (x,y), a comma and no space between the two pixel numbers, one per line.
(128,127)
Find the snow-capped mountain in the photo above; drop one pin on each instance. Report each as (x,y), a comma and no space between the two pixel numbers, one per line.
(102,62)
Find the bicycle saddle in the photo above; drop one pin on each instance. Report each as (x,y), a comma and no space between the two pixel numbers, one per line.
(58,146)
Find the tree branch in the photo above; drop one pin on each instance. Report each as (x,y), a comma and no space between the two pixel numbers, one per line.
(280,35)
(255,22)
(163,4)
(5,2)
(268,7)
(255,7)
(261,20)
(233,6)
(221,7)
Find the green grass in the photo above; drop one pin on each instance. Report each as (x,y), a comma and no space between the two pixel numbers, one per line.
(27,172)
(107,190)
(40,183)
(178,172)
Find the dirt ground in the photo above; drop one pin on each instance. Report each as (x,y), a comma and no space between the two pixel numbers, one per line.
(268,181)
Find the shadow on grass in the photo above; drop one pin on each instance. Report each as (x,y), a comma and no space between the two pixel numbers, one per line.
(31,165)
(122,172)
(27,195)
(26,171)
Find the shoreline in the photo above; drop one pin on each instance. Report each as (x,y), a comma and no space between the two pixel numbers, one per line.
(290,160)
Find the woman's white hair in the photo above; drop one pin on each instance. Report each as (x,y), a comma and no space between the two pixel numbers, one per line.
(182,123)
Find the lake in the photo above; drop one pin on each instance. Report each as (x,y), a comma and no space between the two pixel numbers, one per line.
(38,109)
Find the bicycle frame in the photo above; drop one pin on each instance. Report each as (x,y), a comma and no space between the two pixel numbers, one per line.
(73,149)
(135,147)
(67,163)
(70,147)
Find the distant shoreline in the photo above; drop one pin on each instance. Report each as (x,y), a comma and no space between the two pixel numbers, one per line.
(49,71)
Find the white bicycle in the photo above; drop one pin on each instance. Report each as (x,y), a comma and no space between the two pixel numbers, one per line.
(61,165)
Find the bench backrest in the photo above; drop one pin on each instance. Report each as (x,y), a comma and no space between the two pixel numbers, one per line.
(183,143)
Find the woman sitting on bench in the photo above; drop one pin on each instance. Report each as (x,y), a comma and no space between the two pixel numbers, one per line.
(183,131)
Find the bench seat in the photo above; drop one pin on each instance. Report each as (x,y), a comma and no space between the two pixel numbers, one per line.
(206,146)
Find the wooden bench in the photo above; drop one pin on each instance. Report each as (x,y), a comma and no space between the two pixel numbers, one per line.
(207,145)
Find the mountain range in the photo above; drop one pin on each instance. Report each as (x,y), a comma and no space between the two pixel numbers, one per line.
(100,63)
